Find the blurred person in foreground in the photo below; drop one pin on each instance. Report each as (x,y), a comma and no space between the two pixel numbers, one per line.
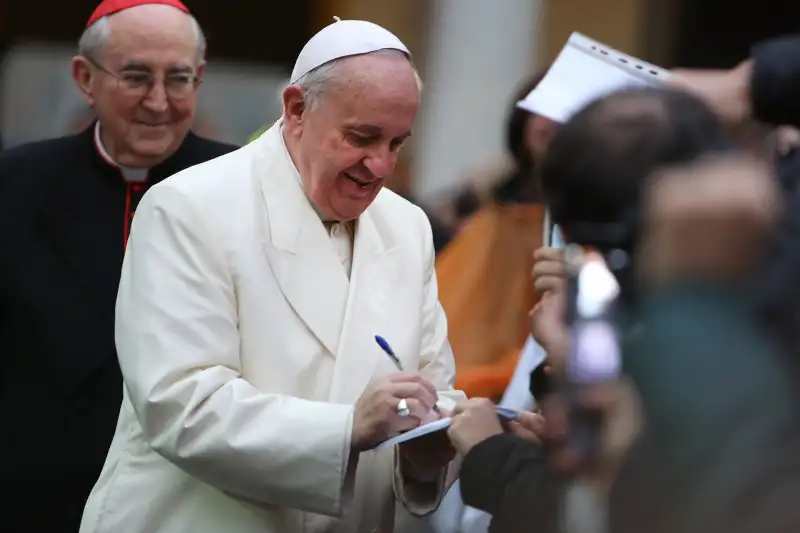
(764,89)
(696,372)
(751,486)
(251,293)
(66,206)
(717,387)
(755,484)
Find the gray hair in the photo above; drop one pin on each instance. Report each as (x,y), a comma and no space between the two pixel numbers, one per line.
(95,36)
(315,82)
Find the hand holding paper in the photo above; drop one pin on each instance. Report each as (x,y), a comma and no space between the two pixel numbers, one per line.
(727,92)
(502,413)
(474,421)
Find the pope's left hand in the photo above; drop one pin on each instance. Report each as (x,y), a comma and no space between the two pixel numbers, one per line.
(431,452)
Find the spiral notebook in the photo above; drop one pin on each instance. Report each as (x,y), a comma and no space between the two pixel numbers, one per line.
(584,71)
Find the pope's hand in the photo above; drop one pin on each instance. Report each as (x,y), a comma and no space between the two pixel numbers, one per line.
(376,415)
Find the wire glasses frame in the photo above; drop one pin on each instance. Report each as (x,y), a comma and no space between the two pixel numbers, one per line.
(140,84)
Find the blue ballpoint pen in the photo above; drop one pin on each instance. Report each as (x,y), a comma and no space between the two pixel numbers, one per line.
(388,351)
(502,412)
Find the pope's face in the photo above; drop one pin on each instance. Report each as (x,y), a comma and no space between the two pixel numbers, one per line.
(348,141)
(142,84)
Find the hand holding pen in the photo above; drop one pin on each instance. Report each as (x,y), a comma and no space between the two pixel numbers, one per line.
(502,412)
(402,406)
(390,405)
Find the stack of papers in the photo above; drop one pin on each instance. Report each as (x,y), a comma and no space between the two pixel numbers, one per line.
(584,71)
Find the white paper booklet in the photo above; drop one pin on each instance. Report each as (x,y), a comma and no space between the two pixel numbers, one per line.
(432,427)
(504,413)
(584,71)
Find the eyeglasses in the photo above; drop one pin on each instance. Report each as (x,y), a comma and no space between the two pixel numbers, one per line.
(139,84)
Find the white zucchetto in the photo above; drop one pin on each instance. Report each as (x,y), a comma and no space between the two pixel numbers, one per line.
(344,38)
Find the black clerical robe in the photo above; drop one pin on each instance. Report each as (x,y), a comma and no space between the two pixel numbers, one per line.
(65,213)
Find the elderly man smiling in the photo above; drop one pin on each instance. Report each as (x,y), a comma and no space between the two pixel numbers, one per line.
(65,209)
(251,295)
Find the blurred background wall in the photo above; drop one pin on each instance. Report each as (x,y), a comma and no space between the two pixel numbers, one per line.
(471,53)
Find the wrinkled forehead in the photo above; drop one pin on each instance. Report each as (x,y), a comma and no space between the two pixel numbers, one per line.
(385,110)
(383,68)
(156,43)
(371,80)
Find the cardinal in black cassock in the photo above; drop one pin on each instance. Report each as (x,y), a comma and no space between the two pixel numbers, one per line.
(65,211)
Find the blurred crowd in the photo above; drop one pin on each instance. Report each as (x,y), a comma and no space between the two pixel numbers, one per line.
(627,281)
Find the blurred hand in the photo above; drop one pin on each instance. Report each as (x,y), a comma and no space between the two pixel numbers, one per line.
(547,318)
(549,270)
(709,220)
(376,418)
(786,139)
(727,92)
(474,421)
(549,328)
(530,426)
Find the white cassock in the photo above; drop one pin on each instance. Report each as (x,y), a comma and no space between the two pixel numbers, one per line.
(244,346)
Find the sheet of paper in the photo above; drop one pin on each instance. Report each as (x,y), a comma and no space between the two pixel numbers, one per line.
(584,71)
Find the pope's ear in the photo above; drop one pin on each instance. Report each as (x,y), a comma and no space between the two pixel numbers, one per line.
(83,75)
(294,105)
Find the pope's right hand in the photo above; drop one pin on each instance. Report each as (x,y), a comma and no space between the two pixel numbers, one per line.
(376,416)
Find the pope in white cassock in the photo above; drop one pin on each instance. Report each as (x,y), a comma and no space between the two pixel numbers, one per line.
(252,290)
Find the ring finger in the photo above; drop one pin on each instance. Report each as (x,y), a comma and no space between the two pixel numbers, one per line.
(416,413)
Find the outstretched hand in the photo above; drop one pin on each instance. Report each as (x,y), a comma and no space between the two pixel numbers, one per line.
(727,92)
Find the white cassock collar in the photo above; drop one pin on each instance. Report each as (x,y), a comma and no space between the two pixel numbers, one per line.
(129,174)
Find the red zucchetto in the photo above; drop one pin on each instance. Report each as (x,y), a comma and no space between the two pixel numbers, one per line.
(108,7)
